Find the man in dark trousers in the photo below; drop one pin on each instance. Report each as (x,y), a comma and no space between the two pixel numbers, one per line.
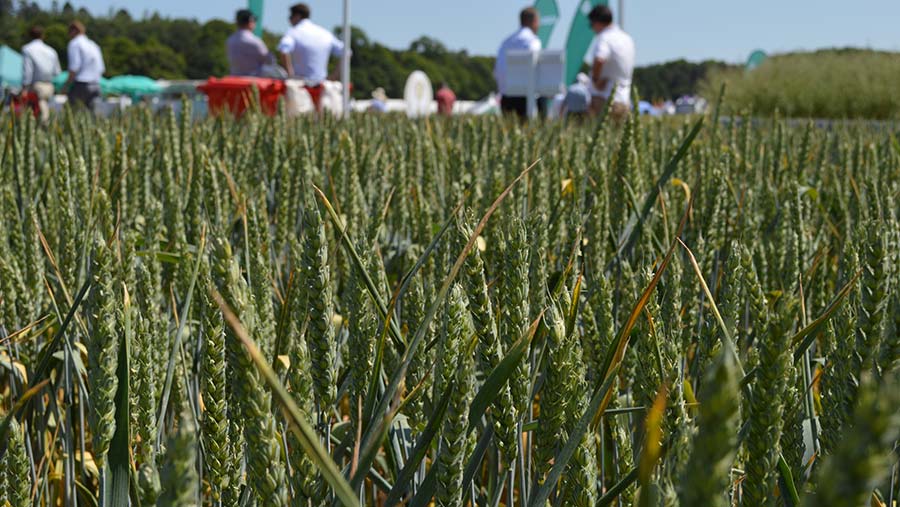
(86,67)
(525,38)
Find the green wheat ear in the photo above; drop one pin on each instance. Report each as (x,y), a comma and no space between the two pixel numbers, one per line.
(261,279)
(873,301)
(767,406)
(838,383)
(458,366)
(514,308)
(317,294)
(490,350)
(563,391)
(889,359)
(145,420)
(220,469)
(4,484)
(579,483)
(862,459)
(17,467)
(419,372)
(890,348)
(180,483)
(305,480)
(707,473)
(363,333)
(263,452)
(103,350)
(144,368)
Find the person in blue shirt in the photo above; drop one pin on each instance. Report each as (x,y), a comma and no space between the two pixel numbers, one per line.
(247,53)
(86,67)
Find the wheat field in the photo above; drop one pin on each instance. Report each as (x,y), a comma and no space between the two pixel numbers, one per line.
(274,311)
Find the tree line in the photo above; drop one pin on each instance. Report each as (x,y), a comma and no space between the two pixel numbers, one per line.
(168,48)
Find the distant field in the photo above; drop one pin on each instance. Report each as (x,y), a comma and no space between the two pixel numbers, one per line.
(844,83)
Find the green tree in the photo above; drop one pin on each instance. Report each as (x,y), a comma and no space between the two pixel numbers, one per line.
(8,25)
(674,79)
(56,35)
(157,60)
(118,54)
(206,57)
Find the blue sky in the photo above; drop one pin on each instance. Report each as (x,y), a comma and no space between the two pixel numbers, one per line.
(663,29)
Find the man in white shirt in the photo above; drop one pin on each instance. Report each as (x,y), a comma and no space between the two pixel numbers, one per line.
(525,38)
(611,58)
(305,50)
(40,64)
(86,67)
(247,53)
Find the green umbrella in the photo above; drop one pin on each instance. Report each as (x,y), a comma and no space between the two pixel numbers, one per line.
(60,80)
(133,86)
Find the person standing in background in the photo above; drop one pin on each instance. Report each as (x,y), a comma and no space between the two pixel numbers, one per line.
(525,38)
(577,100)
(379,101)
(247,53)
(40,64)
(612,64)
(305,50)
(445,99)
(86,67)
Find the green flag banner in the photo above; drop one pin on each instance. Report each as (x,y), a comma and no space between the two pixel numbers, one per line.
(549,12)
(580,37)
(756,59)
(256,7)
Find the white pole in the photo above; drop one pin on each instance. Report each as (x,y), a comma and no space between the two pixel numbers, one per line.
(621,14)
(531,110)
(345,60)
